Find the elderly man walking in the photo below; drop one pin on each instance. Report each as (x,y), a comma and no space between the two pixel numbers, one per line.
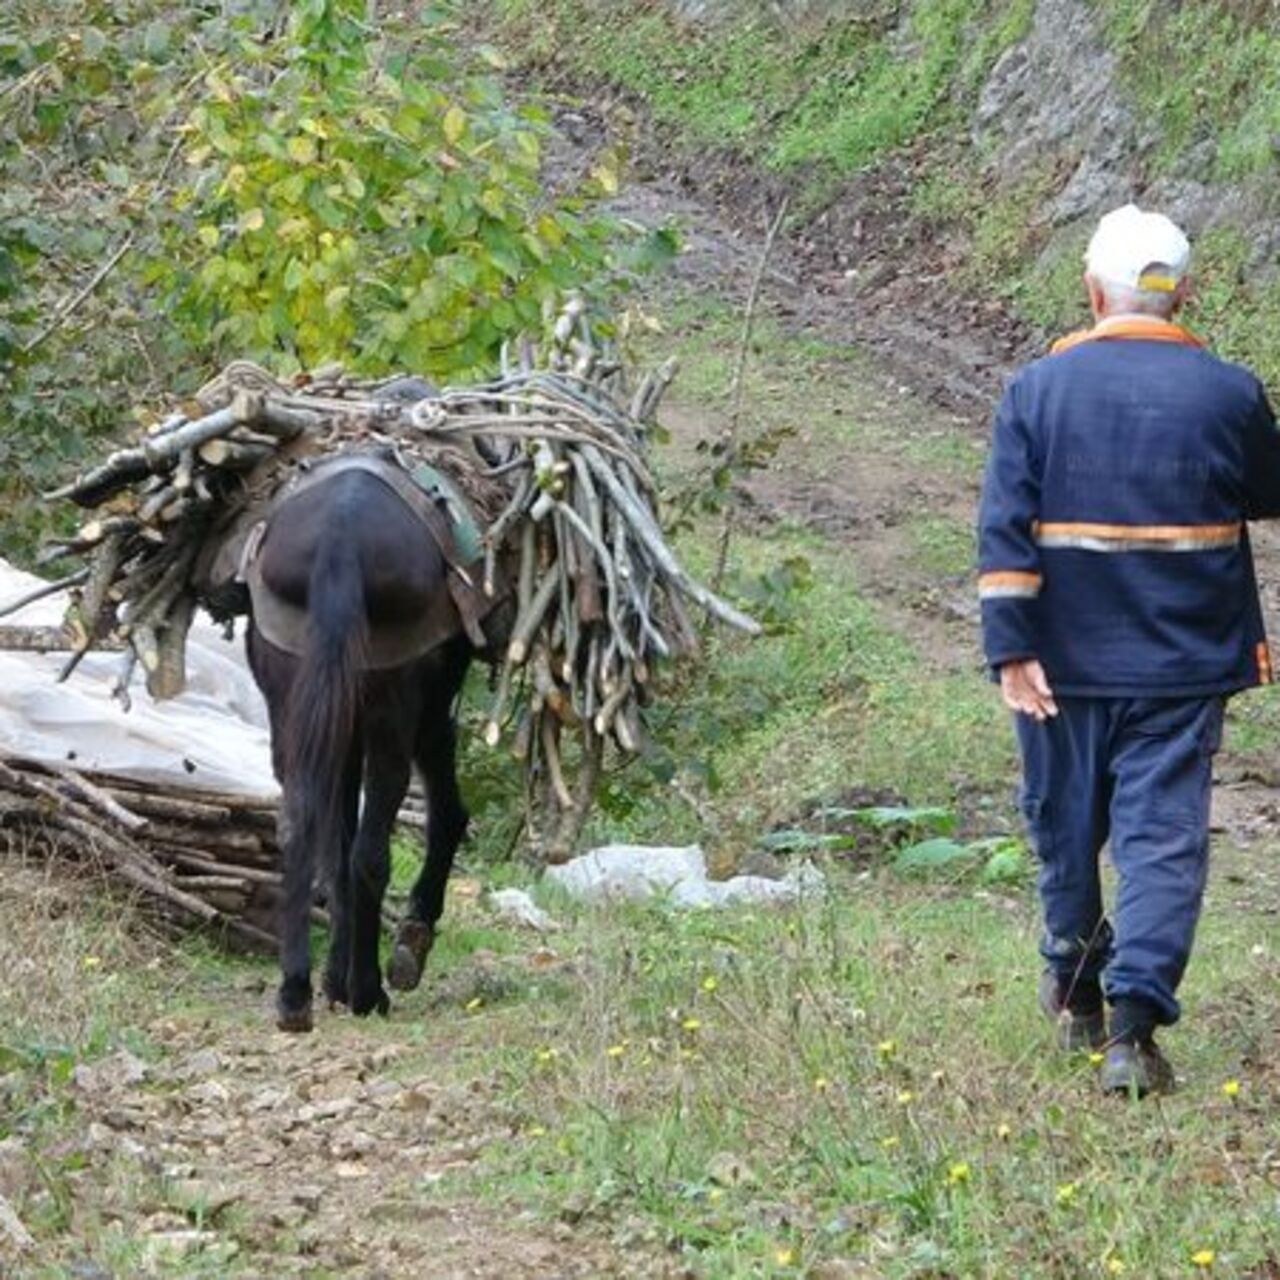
(1120,609)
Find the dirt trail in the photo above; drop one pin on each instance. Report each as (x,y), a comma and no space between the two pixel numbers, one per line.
(285,1155)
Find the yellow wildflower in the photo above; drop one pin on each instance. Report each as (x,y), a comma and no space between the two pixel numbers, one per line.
(784,1257)
(474,1003)
(887,1048)
(1203,1258)
(616,1050)
(548,1055)
(536,1131)
(1003,1132)
(889,1143)
(1096,1059)
(822,1084)
(905,1096)
(691,1024)
(92,962)
(1115,1267)
(1231,1088)
(710,983)
(715,1195)
(958,1173)
(1067,1192)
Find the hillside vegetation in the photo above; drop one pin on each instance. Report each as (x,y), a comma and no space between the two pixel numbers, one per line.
(1009,125)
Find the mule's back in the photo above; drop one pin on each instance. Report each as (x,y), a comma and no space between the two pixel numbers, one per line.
(407,607)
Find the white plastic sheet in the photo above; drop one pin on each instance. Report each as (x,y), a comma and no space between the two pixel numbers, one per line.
(213,736)
(636,873)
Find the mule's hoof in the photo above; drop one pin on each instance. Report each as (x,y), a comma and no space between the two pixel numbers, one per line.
(335,990)
(376,1001)
(414,940)
(294,1019)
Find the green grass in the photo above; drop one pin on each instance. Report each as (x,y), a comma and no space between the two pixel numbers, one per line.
(875,1066)
(823,98)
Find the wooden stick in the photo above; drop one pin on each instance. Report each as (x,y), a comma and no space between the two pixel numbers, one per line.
(44,590)
(729,437)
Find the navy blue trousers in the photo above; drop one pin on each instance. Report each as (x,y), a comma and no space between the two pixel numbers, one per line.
(1136,771)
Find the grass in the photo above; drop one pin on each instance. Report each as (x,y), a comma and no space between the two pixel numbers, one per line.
(862,1081)
(819,98)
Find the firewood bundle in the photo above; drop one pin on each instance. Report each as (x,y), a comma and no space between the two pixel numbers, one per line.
(197,858)
(552,457)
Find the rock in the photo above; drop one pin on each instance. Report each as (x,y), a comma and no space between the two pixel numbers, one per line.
(12,1228)
(16,1170)
(204,1062)
(119,1070)
(728,1170)
(307,1198)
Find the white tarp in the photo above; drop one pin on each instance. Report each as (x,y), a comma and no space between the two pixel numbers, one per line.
(636,873)
(214,735)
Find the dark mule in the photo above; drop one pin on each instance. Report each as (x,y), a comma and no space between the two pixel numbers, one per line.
(356,577)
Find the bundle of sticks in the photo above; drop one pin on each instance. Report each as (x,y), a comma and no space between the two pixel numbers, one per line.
(199,858)
(554,461)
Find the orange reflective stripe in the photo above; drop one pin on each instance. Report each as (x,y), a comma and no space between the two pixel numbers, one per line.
(1265,673)
(1087,535)
(1009,584)
(1138,328)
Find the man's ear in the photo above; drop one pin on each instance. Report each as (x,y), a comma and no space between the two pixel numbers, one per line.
(1181,295)
(1097,299)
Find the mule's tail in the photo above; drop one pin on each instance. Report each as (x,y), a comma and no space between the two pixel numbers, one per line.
(324,701)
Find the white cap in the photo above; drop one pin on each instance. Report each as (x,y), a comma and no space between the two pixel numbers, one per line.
(1138,250)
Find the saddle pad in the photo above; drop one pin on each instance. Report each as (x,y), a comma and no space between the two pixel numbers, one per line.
(467,537)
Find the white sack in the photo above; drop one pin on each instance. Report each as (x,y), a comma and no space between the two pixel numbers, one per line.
(635,873)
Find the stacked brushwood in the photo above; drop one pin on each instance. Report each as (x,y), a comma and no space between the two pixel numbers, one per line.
(553,459)
(201,858)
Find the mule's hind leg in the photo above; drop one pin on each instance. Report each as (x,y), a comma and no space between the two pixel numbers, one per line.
(293,1000)
(447,820)
(338,963)
(386,782)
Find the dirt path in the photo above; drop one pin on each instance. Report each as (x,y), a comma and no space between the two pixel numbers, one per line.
(329,1153)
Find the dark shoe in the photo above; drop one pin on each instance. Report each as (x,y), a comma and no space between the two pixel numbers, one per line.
(1081,1023)
(1136,1068)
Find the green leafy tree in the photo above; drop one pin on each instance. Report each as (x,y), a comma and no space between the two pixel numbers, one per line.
(374,201)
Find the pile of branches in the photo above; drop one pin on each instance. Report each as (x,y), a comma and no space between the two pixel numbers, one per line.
(199,858)
(553,458)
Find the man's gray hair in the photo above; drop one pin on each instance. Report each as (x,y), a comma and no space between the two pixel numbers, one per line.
(1123,300)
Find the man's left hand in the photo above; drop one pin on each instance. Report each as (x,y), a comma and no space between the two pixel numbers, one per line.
(1025,689)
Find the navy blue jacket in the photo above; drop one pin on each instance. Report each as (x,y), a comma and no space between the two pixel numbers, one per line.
(1112,539)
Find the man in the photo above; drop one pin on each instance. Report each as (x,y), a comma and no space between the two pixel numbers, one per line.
(1120,609)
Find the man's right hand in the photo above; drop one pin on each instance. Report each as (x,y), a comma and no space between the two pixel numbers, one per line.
(1025,689)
